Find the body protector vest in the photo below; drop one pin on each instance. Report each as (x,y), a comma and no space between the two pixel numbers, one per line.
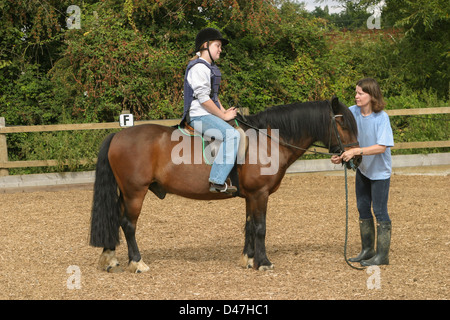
(216,77)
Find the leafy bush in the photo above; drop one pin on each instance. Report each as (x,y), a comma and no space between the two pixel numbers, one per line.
(67,147)
(132,55)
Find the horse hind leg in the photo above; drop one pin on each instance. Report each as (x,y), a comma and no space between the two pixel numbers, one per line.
(135,264)
(132,209)
(109,262)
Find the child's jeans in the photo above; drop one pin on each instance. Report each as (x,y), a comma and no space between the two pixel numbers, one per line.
(213,126)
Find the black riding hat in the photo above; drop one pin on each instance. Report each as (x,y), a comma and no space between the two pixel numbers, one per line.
(208,34)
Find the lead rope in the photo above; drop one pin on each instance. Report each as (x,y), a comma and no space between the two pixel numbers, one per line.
(346,223)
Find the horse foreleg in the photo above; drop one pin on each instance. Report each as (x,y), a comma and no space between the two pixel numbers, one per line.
(249,243)
(254,254)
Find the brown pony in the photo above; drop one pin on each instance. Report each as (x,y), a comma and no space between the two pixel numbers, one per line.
(140,158)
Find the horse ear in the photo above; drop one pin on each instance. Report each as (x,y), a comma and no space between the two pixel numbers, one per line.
(335,104)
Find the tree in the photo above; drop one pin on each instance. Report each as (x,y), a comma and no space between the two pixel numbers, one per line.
(424,49)
(419,59)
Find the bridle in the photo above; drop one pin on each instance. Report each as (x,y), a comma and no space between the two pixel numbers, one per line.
(338,137)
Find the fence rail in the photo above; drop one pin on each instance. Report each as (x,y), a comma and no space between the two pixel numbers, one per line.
(4,130)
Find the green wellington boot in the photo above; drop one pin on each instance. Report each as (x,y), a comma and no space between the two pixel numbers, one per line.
(367,230)
(383,245)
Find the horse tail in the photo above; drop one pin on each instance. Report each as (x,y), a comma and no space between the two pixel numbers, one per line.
(105,216)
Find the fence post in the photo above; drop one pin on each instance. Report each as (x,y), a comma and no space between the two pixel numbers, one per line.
(3,148)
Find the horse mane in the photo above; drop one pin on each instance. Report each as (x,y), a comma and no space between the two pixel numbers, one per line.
(295,121)
(298,120)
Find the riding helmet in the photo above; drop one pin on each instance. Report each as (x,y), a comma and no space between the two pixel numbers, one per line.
(208,34)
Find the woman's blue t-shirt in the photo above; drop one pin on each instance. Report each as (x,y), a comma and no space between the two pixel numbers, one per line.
(374,129)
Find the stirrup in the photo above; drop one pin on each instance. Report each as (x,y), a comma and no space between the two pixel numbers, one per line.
(217,188)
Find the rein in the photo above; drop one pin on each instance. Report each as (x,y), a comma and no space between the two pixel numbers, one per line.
(285,143)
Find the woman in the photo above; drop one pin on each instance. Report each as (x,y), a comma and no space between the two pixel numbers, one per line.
(202,107)
(373,175)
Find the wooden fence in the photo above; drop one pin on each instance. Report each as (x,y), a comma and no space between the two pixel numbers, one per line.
(4,130)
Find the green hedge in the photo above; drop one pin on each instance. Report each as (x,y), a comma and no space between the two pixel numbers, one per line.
(132,55)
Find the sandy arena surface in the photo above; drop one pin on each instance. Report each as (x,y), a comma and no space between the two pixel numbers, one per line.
(193,247)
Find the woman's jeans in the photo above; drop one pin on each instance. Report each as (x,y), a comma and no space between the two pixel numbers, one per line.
(213,126)
(372,193)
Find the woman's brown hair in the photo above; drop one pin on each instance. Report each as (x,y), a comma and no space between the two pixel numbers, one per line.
(370,86)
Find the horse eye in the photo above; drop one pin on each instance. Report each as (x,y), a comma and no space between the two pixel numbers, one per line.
(341,122)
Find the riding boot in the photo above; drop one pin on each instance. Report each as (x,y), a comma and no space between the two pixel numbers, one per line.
(367,230)
(383,245)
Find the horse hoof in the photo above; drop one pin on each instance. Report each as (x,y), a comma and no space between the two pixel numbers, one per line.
(138,267)
(246,262)
(114,269)
(108,262)
(265,268)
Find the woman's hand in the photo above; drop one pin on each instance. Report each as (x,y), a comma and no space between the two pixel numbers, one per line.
(336,159)
(349,154)
(346,156)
